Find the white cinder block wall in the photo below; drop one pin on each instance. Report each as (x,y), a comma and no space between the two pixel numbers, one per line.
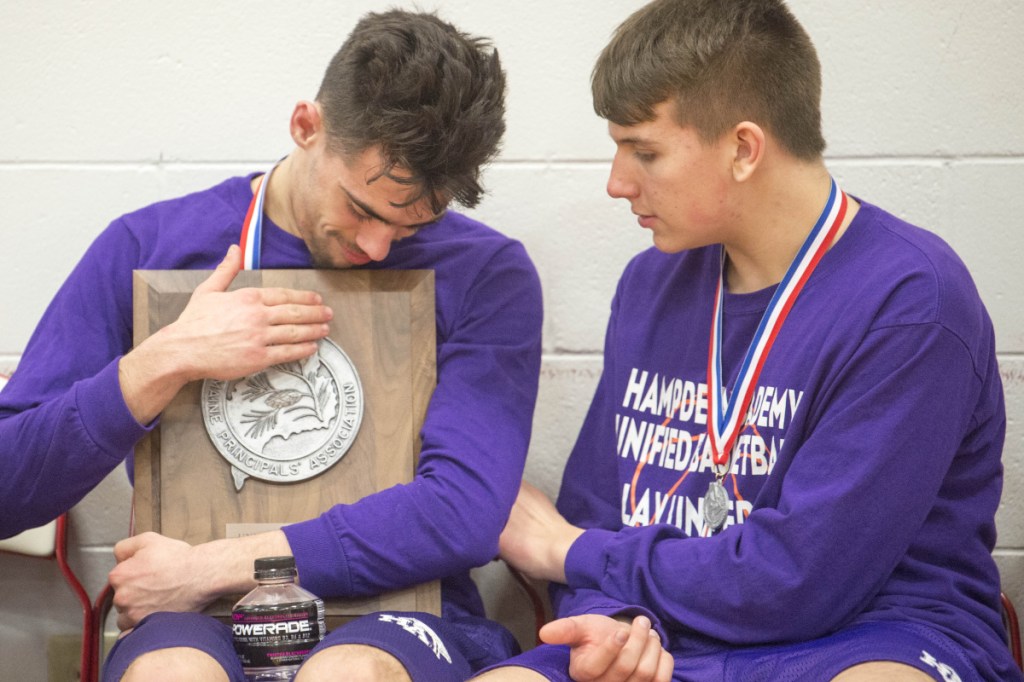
(108,105)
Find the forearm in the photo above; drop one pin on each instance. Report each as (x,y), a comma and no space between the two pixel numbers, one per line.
(151,375)
(225,567)
(53,453)
(433,529)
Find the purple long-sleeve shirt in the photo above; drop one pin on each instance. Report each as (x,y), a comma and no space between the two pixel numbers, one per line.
(64,425)
(864,485)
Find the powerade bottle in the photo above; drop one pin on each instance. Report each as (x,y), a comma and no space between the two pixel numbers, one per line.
(277,624)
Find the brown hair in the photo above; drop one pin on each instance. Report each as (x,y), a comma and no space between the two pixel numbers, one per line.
(432,98)
(722,62)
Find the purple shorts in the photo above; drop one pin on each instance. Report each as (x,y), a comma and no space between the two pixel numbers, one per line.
(813,661)
(430,648)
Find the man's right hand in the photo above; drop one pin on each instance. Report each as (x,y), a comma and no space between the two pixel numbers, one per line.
(536,538)
(223,335)
(604,649)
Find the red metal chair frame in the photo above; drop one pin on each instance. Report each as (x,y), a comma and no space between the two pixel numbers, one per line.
(100,608)
(1012,629)
(73,582)
(60,554)
(540,616)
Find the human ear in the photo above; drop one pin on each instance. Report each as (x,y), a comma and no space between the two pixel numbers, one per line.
(306,123)
(749,144)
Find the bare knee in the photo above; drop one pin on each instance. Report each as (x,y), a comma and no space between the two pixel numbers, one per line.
(882,671)
(171,665)
(359,662)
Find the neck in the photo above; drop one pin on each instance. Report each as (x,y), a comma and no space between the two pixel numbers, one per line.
(276,205)
(778,211)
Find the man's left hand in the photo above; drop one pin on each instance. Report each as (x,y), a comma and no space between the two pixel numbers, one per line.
(153,574)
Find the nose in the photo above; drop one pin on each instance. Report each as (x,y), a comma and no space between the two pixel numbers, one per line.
(375,238)
(620,184)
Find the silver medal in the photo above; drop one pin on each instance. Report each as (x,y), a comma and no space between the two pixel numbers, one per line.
(716,505)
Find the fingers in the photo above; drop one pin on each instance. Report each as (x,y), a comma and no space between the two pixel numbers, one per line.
(124,622)
(125,614)
(597,644)
(225,334)
(607,650)
(637,642)
(622,662)
(642,658)
(279,296)
(222,276)
(666,666)
(127,617)
(298,313)
(226,271)
(655,663)
(294,335)
(285,308)
(294,330)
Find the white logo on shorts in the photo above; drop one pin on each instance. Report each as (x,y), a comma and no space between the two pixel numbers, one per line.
(414,626)
(948,674)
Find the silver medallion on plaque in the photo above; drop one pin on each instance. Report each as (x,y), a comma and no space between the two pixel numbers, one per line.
(716,505)
(289,422)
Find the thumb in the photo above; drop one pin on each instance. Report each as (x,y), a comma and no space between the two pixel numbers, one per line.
(561,631)
(220,279)
(126,548)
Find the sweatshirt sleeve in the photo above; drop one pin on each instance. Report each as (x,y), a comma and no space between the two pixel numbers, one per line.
(474,443)
(878,462)
(63,421)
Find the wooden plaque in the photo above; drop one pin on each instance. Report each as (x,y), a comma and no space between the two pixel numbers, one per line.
(384,323)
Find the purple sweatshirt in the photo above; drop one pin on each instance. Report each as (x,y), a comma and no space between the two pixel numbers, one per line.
(64,424)
(863,485)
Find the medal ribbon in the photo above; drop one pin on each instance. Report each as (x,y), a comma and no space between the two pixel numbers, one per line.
(252,229)
(726,416)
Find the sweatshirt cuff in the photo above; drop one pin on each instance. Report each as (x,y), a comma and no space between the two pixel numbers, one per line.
(310,542)
(585,560)
(104,414)
(585,567)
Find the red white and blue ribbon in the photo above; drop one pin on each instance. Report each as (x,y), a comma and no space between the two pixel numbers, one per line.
(252,229)
(726,416)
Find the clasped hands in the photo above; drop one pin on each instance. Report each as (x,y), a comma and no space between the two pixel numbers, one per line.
(536,541)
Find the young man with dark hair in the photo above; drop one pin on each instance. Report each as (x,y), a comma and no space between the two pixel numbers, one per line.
(792,462)
(408,112)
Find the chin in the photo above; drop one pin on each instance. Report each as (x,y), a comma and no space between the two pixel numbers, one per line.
(322,262)
(669,247)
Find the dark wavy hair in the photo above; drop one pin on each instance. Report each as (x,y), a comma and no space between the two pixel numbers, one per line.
(722,62)
(429,96)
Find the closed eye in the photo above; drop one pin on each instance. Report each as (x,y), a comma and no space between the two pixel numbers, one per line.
(357,214)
